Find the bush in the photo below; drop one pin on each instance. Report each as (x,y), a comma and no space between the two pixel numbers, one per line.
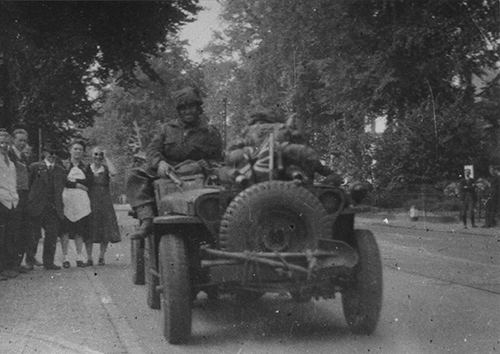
(446,205)
(422,197)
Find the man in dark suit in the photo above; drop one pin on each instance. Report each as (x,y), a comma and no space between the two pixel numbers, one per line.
(45,205)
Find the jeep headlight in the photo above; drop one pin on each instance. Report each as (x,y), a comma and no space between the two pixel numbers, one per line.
(332,200)
(359,191)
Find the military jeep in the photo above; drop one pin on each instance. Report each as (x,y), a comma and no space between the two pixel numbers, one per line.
(272,234)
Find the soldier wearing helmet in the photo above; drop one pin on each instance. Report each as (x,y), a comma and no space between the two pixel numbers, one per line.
(189,137)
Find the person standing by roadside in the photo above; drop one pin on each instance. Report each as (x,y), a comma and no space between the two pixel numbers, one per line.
(45,205)
(77,206)
(24,235)
(103,224)
(35,234)
(8,202)
(493,197)
(469,196)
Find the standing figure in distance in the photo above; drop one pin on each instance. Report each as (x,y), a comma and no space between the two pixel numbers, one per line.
(103,224)
(189,137)
(469,196)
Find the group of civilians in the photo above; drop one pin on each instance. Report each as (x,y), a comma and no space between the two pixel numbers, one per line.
(61,194)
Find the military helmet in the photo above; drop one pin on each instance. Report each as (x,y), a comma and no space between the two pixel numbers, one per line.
(187,96)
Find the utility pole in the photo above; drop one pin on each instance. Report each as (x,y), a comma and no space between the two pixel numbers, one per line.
(40,144)
(224,128)
(4,118)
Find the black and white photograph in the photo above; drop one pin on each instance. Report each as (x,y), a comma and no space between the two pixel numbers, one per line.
(250,176)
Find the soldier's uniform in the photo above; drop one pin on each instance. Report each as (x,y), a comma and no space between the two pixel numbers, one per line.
(174,143)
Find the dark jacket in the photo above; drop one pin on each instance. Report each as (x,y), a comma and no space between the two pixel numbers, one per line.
(21,170)
(40,195)
(468,189)
(176,143)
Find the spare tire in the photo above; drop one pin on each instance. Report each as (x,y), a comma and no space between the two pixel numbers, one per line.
(274,216)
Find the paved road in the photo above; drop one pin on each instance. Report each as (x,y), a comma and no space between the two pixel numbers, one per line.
(441,294)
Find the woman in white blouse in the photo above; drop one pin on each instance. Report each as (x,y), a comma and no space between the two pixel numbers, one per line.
(77,206)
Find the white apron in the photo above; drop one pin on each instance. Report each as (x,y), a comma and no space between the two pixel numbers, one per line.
(76,201)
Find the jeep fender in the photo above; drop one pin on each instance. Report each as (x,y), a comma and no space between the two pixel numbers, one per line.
(176,219)
(178,224)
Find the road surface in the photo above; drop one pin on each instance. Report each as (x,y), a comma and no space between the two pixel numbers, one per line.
(441,294)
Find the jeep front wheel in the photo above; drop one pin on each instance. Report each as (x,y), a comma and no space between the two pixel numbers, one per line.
(362,299)
(176,289)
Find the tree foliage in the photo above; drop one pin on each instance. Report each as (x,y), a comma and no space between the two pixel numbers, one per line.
(54,51)
(147,103)
(340,64)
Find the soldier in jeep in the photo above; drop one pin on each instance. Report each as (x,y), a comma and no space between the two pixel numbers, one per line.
(189,137)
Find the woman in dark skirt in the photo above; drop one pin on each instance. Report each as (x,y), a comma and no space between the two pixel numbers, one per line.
(77,206)
(103,225)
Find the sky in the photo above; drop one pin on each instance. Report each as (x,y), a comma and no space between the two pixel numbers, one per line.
(199,32)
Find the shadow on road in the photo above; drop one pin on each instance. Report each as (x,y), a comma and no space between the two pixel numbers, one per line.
(273,316)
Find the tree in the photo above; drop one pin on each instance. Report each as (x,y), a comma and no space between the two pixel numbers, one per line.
(339,64)
(147,103)
(54,51)
(487,110)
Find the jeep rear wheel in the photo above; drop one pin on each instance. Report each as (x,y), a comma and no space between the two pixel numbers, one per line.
(274,216)
(176,289)
(152,281)
(362,300)
(137,261)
